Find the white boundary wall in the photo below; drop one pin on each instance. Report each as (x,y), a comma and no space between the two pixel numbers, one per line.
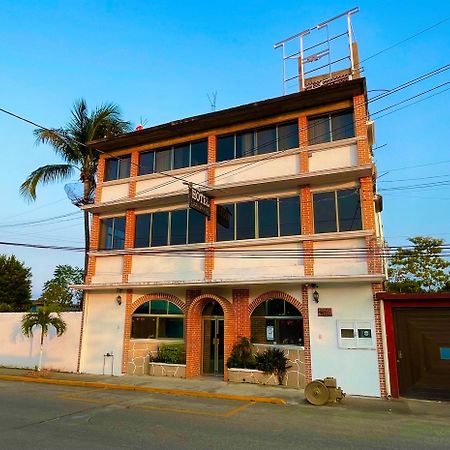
(60,353)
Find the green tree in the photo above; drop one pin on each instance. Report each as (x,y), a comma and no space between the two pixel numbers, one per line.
(419,269)
(57,290)
(70,144)
(15,284)
(44,318)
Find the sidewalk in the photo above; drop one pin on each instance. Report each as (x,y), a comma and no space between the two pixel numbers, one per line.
(211,387)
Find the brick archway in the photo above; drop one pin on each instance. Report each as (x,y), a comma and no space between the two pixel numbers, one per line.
(275,294)
(194,338)
(132,306)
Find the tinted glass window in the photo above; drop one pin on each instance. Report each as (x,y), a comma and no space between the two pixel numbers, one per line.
(196,227)
(342,125)
(324,212)
(288,135)
(267,218)
(124,166)
(143,327)
(158,307)
(119,232)
(159,228)
(142,231)
(245,218)
(225,148)
(146,163)
(111,169)
(267,140)
(163,160)
(106,234)
(289,216)
(181,156)
(319,130)
(143,309)
(170,327)
(275,307)
(199,153)
(226,234)
(291,310)
(245,144)
(349,210)
(178,225)
(173,309)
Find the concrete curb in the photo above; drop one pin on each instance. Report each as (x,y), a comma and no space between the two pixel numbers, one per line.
(125,387)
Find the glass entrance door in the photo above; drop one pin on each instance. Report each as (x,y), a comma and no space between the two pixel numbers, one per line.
(213,335)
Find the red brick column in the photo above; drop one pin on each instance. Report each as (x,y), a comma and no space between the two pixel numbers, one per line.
(100,177)
(134,170)
(210,237)
(241,299)
(130,221)
(212,143)
(307,221)
(378,287)
(93,245)
(306,334)
(127,330)
(303,143)
(360,117)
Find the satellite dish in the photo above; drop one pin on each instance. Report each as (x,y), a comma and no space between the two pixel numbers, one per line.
(75,193)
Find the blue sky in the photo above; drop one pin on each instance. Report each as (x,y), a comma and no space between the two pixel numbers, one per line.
(159,60)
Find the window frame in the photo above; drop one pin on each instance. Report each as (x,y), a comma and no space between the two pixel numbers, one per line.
(159,316)
(102,245)
(256,218)
(336,210)
(119,160)
(329,116)
(172,149)
(356,342)
(254,131)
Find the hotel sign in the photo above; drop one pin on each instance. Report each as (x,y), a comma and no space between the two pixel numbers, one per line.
(199,201)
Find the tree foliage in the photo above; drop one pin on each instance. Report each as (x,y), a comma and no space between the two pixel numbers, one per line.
(419,269)
(15,284)
(57,291)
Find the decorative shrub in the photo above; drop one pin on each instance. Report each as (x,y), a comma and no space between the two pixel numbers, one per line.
(241,355)
(273,360)
(170,354)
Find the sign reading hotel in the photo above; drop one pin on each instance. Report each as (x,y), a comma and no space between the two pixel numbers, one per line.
(199,201)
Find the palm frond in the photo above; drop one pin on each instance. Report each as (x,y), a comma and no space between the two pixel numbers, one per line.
(44,175)
(44,317)
(61,142)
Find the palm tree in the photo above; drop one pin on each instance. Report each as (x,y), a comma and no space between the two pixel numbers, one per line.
(44,317)
(71,144)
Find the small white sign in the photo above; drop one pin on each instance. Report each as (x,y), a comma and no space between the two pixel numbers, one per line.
(270,332)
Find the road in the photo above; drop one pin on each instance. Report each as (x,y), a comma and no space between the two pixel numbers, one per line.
(38,416)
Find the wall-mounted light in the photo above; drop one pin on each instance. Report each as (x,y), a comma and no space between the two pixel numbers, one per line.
(119,300)
(315,296)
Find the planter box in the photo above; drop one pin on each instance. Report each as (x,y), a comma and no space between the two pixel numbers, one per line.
(251,376)
(167,370)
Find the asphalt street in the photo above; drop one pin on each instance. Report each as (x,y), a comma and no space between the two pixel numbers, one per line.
(42,416)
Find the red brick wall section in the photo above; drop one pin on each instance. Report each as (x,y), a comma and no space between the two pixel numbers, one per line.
(127,330)
(210,237)
(134,169)
(303,143)
(307,222)
(80,346)
(194,333)
(378,287)
(274,294)
(94,243)
(241,299)
(360,117)
(306,334)
(130,222)
(212,142)
(100,178)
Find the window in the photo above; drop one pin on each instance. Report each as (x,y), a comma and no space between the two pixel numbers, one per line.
(337,211)
(277,322)
(355,334)
(112,233)
(157,319)
(117,168)
(257,142)
(179,227)
(175,157)
(261,219)
(330,127)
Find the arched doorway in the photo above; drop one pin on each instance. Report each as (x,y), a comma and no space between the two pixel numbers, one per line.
(213,339)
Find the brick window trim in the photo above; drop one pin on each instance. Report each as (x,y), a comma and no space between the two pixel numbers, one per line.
(276,294)
(158,296)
